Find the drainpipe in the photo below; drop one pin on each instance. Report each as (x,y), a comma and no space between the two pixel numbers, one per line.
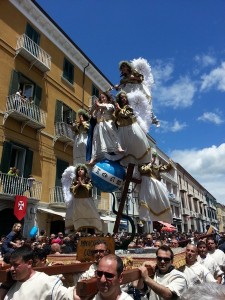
(83,84)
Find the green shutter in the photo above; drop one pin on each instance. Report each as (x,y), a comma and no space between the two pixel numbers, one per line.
(28,163)
(37,95)
(95,91)
(6,156)
(58,111)
(73,116)
(14,85)
(61,165)
(32,34)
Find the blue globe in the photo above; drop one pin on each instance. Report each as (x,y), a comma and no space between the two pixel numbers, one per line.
(108,176)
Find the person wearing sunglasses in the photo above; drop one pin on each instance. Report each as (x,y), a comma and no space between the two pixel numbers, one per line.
(109,275)
(100,250)
(168,283)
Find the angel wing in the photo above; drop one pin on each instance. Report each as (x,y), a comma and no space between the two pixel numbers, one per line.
(143,67)
(67,178)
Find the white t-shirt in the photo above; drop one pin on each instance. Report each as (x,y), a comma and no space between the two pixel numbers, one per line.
(123,296)
(174,280)
(210,264)
(40,287)
(197,274)
(219,256)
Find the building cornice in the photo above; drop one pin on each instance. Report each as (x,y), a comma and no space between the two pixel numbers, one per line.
(40,19)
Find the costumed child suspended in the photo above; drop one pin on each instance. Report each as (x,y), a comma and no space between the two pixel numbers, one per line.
(133,138)
(105,142)
(81,128)
(154,204)
(81,211)
(137,81)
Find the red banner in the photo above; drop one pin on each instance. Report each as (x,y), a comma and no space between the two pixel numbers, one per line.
(20,207)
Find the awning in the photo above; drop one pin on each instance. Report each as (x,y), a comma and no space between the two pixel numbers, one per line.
(167,225)
(108,218)
(53,212)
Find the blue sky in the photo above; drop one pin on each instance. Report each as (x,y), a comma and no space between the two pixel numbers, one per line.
(183,40)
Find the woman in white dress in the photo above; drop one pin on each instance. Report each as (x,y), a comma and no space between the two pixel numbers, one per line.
(132,137)
(85,214)
(105,141)
(154,204)
(81,134)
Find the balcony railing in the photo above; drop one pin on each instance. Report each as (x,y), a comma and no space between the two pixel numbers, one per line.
(56,196)
(33,53)
(15,185)
(26,112)
(186,212)
(57,199)
(63,133)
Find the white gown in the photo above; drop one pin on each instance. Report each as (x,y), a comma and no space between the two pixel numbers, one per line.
(80,143)
(105,137)
(133,139)
(154,204)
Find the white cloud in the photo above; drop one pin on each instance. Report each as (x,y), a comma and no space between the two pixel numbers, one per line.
(162,72)
(207,166)
(216,78)
(211,117)
(205,60)
(179,94)
(176,126)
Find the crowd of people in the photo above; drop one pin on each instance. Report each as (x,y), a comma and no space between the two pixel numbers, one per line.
(205,264)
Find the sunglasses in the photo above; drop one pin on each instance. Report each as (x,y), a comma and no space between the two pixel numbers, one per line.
(166,259)
(98,251)
(107,275)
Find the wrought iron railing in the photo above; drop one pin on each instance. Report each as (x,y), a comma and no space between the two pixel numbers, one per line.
(16,103)
(64,130)
(56,195)
(15,185)
(24,42)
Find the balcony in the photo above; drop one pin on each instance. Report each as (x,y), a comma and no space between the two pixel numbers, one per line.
(57,200)
(33,53)
(64,134)
(193,214)
(183,187)
(24,111)
(56,197)
(186,212)
(190,193)
(14,185)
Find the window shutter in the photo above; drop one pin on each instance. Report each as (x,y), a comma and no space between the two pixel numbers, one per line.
(32,34)
(61,165)
(37,96)
(73,116)
(14,85)
(28,163)
(58,111)
(6,156)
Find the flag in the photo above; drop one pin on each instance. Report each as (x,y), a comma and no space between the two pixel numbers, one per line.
(20,207)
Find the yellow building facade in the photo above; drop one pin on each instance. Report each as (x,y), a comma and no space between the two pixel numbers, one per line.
(56,79)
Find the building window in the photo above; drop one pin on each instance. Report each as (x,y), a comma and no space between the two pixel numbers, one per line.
(95,91)
(29,88)
(68,71)
(63,113)
(32,34)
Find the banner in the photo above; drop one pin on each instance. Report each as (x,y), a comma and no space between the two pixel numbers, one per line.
(20,207)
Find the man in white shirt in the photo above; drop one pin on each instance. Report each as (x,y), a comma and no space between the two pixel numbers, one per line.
(109,275)
(206,260)
(216,254)
(30,284)
(194,271)
(168,283)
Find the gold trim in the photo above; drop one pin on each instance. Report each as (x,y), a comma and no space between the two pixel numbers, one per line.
(142,203)
(139,158)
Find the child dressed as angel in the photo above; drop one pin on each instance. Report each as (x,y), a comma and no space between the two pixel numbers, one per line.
(154,202)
